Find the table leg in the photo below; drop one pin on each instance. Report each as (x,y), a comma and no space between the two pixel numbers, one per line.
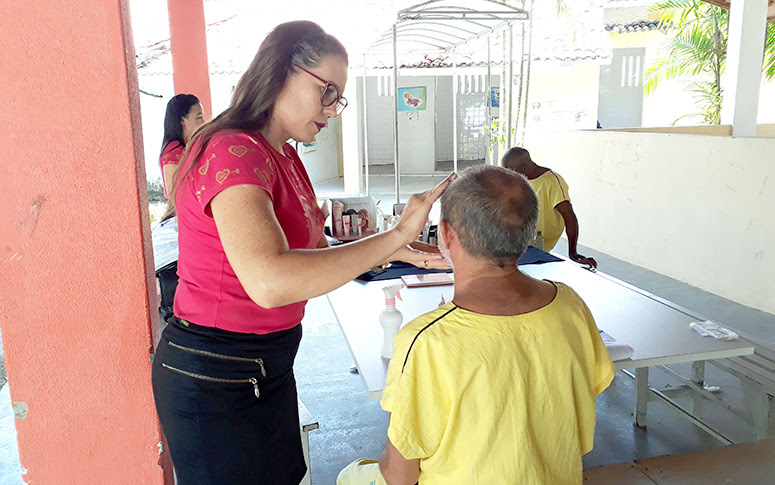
(759,405)
(698,377)
(642,386)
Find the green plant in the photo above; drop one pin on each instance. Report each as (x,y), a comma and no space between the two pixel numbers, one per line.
(155,190)
(496,136)
(698,51)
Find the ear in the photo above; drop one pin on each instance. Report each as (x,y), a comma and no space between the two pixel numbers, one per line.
(448,234)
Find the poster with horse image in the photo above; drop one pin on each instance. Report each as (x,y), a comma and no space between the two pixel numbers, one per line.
(411,99)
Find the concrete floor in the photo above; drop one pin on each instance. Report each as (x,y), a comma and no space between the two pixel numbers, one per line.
(352,426)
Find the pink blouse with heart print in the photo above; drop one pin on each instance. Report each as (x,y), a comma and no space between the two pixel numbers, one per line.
(209,293)
(170,156)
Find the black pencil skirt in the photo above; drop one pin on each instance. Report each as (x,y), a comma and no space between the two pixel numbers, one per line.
(227,405)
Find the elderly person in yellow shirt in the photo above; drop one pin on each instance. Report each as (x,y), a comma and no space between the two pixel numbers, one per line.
(498,385)
(555,211)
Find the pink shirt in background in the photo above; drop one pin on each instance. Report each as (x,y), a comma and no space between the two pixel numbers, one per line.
(170,155)
(209,293)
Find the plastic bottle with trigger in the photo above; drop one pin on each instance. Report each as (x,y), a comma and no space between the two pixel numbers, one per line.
(538,242)
(390,319)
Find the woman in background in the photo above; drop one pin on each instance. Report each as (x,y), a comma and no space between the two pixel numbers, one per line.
(184,116)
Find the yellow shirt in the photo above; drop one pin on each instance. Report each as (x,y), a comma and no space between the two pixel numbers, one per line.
(551,189)
(483,399)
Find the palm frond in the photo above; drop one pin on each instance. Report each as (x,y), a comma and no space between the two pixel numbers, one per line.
(769,52)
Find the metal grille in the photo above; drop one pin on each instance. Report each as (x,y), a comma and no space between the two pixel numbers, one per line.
(471,121)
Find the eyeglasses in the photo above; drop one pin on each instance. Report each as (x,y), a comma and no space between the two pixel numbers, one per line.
(330,93)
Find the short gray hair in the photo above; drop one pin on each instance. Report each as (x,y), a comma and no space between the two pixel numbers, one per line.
(494,212)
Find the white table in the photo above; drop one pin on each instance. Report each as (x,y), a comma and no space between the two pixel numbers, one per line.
(658,330)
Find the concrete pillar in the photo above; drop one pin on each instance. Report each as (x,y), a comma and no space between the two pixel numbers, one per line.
(745,50)
(188,43)
(77,292)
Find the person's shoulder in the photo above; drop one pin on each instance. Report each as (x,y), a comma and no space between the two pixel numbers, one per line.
(565,293)
(424,322)
(172,147)
(237,144)
(557,177)
(568,301)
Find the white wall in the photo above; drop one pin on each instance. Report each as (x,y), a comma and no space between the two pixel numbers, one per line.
(379,110)
(560,98)
(152,111)
(437,117)
(693,207)
(323,163)
(416,130)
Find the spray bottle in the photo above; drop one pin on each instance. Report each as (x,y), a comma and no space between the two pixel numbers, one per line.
(390,318)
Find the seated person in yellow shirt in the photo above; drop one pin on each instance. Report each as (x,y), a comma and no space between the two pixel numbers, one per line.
(498,385)
(555,211)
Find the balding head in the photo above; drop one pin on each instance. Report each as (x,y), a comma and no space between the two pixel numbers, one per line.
(493,211)
(517,159)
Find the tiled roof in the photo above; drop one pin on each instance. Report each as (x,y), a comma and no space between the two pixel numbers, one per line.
(577,37)
(640,26)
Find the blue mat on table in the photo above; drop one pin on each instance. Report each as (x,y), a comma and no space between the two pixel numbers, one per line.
(398,269)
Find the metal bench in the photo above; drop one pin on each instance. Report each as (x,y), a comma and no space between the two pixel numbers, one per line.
(757,376)
(307,423)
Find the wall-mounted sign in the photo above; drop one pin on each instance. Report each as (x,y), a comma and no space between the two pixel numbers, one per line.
(495,97)
(411,99)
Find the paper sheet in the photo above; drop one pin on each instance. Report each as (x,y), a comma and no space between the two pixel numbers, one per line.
(710,329)
(616,350)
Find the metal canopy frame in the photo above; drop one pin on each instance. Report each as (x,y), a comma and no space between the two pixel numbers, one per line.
(441,26)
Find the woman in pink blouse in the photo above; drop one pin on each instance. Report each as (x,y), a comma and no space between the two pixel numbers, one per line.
(184,115)
(252,251)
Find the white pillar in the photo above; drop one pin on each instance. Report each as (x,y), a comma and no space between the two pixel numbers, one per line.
(396,167)
(365,128)
(454,110)
(488,100)
(351,160)
(510,82)
(745,49)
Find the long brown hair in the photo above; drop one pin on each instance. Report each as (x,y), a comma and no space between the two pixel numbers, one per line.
(300,42)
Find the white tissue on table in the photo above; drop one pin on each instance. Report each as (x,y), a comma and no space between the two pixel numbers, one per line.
(710,329)
(616,350)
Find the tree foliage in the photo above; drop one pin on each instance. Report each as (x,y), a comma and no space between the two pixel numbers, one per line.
(697,53)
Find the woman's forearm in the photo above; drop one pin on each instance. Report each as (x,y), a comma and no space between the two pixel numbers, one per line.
(274,275)
(296,275)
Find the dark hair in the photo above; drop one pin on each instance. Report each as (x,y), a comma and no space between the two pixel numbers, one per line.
(300,42)
(177,108)
(515,158)
(494,212)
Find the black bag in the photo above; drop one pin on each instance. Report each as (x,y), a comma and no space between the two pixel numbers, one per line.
(168,283)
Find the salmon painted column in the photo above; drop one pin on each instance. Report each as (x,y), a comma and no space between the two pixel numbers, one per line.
(76,262)
(188,43)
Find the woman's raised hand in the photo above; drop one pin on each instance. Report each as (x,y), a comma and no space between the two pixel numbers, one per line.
(421,259)
(418,207)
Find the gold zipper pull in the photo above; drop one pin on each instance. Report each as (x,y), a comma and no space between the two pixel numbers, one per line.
(255,387)
(261,363)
